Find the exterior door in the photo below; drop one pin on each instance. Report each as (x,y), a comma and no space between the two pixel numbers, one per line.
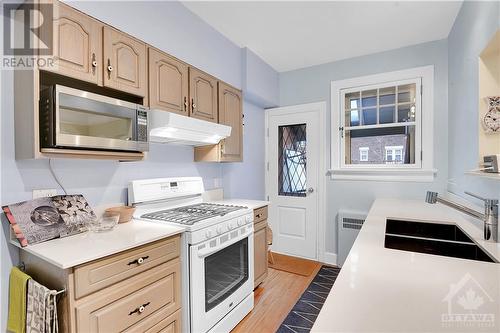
(125,62)
(77,45)
(292,180)
(231,114)
(203,93)
(168,83)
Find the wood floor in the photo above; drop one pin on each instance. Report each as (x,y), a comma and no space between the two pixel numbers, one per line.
(274,298)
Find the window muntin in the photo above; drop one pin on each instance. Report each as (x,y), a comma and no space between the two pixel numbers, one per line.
(378,116)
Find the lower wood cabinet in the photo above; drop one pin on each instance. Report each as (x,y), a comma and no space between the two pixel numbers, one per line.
(260,246)
(138,290)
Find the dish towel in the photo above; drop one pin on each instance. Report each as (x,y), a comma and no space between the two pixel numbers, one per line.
(17,301)
(41,315)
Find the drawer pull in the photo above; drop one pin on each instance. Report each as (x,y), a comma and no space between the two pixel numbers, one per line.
(258,216)
(140,309)
(138,261)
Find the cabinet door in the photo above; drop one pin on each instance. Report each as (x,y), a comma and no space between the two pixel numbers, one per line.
(260,252)
(231,114)
(168,83)
(125,62)
(203,93)
(77,45)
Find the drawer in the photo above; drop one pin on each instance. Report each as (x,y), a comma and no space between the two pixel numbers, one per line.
(158,322)
(133,301)
(105,272)
(260,214)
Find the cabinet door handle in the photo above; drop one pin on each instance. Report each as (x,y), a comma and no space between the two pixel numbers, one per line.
(140,309)
(94,63)
(110,68)
(193,106)
(138,261)
(185,103)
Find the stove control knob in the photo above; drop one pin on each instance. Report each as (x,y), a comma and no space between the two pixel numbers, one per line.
(231,225)
(248,219)
(240,221)
(208,233)
(219,229)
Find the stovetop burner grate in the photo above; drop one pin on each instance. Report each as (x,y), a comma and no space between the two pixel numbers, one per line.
(189,215)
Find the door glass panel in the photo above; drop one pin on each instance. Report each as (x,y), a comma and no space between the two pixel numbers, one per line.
(80,116)
(292,160)
(225,271)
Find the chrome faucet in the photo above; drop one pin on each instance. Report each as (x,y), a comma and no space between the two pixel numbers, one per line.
(489,217)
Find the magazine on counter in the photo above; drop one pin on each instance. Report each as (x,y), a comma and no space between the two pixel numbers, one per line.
(42,219)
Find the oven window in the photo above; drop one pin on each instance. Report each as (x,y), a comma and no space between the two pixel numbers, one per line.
(225,271)
(79,116)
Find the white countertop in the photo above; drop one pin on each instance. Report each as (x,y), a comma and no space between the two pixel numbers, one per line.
(252,204)
(78,249)
(386,290)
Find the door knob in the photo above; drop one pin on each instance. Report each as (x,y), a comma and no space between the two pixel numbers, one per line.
(310,190)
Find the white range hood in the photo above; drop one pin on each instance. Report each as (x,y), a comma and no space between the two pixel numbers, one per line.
(168,127)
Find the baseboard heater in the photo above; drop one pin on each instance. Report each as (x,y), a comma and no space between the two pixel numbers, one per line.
(348,226)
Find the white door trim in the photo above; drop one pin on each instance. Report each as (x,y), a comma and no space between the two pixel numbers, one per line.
(322,167)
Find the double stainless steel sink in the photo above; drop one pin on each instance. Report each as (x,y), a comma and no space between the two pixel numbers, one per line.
(432,238)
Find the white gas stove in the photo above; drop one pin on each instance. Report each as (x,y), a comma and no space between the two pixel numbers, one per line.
(217,253)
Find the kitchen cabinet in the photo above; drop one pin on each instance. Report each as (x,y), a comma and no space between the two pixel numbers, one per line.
(77,45)
(125,62)
(231,114)
(203,95)
(168,83)
(230,109)
(260,245)
(137,290)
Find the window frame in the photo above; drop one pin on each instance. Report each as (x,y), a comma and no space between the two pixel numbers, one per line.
(417,123)
(423,169)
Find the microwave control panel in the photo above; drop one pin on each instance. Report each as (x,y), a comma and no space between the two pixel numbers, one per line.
(142,125)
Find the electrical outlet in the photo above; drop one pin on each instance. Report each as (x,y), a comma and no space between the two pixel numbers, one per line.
(44,193)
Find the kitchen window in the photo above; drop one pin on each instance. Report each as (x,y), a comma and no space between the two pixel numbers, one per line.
(382,126)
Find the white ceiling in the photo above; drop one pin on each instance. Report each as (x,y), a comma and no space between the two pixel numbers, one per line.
(290,35)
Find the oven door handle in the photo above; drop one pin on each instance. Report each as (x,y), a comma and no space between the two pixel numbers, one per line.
(205,252)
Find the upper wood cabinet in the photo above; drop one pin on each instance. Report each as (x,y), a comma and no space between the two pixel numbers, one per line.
(203,95)
(168,83)
(230,109)
(231,114)
(77,43)
(125,62)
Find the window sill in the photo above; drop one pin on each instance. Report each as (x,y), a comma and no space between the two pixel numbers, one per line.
(384,175)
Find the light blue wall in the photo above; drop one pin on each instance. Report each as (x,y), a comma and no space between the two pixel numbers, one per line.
(475,25)
(173,28)
(246,180)
(260,81)
(313,84)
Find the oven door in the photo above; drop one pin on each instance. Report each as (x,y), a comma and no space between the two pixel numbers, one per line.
(221,276)
(92,121)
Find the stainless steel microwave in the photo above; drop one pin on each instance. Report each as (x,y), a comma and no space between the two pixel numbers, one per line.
(76,119)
